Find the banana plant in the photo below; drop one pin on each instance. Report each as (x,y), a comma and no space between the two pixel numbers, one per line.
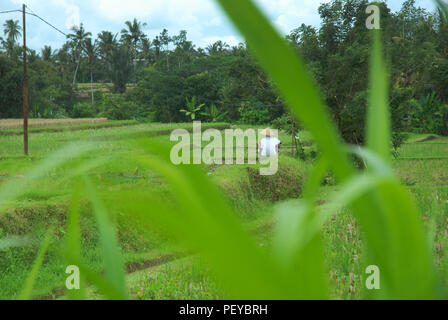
(192,108)
(213,114)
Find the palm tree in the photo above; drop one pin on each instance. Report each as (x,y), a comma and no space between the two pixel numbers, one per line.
(78,38)
(63,59)
(106,44)
(184,48)
(133,34)
(47,53)
(132,37)
(165,40)
(91,49)
(120,68)
(218,47)
(10,47)
(147,51)
(12,30)
(157,45)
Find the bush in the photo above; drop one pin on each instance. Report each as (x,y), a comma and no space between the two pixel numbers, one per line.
(50,111)
(116,107)
(429,115)
(254,114)
(243,185)
(84,110)
(284,123)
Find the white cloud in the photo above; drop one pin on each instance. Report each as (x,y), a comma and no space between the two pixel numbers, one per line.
(230,40)
(198,17)
(178,12)
(289,14)
(73,16)
(203,19)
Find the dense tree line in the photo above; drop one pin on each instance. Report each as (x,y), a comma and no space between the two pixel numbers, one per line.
(416,49)
(169,79)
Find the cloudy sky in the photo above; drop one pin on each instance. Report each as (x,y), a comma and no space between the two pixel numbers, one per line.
(201,18)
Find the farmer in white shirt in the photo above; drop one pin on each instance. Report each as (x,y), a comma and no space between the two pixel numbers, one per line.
(270,145)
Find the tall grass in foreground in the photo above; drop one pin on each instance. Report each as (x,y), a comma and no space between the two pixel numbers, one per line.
(204,222)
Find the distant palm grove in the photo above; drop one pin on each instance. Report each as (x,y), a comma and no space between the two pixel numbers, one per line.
(129,76)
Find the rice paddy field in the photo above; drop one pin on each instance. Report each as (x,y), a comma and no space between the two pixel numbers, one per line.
(156,263)
(18,123)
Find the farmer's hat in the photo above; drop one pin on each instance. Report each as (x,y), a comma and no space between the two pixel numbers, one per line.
(267,132)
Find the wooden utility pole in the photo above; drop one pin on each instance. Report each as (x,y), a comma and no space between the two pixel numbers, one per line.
(25,87)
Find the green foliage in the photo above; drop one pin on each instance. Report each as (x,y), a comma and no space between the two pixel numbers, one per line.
(192,108)
(283,123)
(120,68)
(213,114)
(254,113)
(49,95)
(430,115)
(225,78)
(84,110)
(118,107)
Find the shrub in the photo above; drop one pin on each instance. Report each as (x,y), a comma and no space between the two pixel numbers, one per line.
(244,187)
(286,184)
(254,113)
(84,110)
(284,123)
(116,107)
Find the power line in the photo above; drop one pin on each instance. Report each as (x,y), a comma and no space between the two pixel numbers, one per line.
(9,11)
(43,20)
(35,15)
(32,13)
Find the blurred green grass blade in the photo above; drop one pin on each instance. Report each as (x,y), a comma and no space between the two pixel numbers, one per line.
(411,271)
(378,116)
(83,168)
(14,188)
(113,261)
(26,292)
(393,232)
(291,77)
(297,245)
(396,242)
(208,225)
(350,191)
(373,160)
(73,238)
(104,286)
(314,180)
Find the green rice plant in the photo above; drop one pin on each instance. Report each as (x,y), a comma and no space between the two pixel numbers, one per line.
(28,287)
(112,285)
